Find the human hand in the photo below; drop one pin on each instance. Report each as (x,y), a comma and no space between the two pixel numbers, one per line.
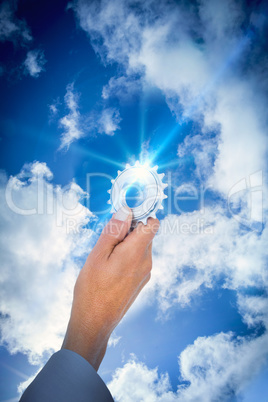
(115,271)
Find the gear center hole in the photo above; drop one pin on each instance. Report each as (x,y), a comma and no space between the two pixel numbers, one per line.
(135,194)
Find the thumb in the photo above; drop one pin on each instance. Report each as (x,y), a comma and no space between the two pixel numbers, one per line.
(116,230)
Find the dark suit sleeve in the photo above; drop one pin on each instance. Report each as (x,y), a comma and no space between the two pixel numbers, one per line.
(67,377)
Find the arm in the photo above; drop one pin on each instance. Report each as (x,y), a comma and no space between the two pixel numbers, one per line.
(115,272)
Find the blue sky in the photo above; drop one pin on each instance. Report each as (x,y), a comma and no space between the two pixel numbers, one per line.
(87,87)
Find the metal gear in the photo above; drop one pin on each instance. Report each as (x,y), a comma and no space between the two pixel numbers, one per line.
(149,184)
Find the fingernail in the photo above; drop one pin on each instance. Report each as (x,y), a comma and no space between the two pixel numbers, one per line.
(122,214)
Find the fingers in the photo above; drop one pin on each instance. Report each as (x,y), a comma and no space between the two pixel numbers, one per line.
(115,231)
(143,235)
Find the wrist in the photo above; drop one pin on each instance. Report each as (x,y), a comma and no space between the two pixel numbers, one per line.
(87,341)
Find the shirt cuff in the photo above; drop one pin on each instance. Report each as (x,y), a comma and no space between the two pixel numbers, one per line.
(67,377)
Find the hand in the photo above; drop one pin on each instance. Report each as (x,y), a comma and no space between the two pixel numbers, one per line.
(115,271)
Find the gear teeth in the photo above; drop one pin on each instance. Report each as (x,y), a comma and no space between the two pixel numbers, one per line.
(152,216)
(112,181)
(164,196)
(144,221)
(119,172)
(161,207)
(164,185)
(112,210)
(127,166)
(137,163)
(161,175)
(109,202)
(155,167)
(109,191)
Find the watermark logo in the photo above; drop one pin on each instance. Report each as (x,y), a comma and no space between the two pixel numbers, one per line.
(244,202)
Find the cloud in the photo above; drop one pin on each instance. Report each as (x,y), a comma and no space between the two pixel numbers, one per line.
(122,87)
(34,63)
(235,146)
(76,126)
(42,247)
(151,385)
(12,28)
(108,121)
(54,110)
(71,122)
(214,368)
(204,150)
(242,148)
(220,366)
(114,339)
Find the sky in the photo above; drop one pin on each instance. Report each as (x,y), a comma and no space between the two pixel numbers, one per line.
(88,86)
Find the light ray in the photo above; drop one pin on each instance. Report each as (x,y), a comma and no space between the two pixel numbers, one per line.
(169,164)
(142,119)
(121,141)
(15,371)
(175,162)
(96,155)
(167,140)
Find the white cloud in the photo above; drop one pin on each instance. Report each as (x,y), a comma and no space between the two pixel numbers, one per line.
(254,310)
(72,121)
(220,366)
(108,121)
(34,63)
(76,126)
(12,28)
(204,149)
(121,87)
(40,248)
(113,340)
(243,143)
(216,368)
(54,110)
(136,382)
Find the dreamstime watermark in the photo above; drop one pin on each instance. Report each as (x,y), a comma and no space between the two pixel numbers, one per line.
(244,203)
